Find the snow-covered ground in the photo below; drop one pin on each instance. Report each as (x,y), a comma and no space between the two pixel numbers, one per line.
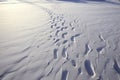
(59,40)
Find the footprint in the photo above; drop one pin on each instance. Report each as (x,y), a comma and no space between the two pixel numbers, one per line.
(88,67)
(64,52)
(76,21)
(64,75)
(58,27)
(63,28)
(65,41)
(63,23)
(50,36)
(73,63)
(55,53)
(58,17)
(57,40)
(99,49)
(73,37)
(116,67)
(56,34)
(54,19)
(64,34)
(55,24)
(72,28)
(71,24)
(79,70)
(51,26)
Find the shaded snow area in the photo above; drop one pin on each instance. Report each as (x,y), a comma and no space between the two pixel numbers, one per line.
(59,40)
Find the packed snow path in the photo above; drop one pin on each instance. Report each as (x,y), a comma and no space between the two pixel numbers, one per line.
(59,41)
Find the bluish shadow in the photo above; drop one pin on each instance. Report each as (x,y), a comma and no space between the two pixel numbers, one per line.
(115,3)
(97,0)
(76,1)
(86,1)
(104,1)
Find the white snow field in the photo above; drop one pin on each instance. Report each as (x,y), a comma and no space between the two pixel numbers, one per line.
(59,40)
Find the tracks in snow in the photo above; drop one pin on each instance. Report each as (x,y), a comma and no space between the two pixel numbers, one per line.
(74,56)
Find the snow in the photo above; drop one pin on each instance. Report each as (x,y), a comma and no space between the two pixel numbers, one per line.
(59,40)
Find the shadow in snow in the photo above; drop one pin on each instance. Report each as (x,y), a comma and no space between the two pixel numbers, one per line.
(86,1)
(115,3)
(76,1)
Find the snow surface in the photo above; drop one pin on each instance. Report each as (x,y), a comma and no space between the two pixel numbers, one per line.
(59,40)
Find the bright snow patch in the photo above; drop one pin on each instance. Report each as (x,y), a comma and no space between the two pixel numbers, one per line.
(44,40)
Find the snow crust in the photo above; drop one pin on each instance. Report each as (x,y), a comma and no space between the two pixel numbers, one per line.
(59,40)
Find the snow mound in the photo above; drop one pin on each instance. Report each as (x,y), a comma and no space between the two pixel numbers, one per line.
(59,41)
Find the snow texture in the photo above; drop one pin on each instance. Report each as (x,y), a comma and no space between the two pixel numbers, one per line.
(59,40)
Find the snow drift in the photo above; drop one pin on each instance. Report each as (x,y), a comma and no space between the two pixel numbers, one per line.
(41,40)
